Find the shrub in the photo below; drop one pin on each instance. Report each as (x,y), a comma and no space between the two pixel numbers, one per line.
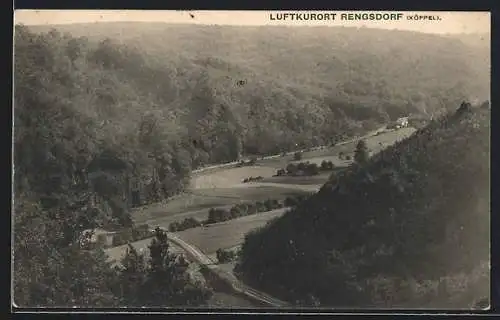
(361,155)
(290,202)
(174,226)
(251,209)
(260,207)
(224,256)
(235,212)
(291,168)
(312,169)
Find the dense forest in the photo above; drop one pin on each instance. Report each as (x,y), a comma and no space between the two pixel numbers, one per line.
(112,116)
(407,228)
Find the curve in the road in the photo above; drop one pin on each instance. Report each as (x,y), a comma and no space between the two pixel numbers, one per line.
(237,285)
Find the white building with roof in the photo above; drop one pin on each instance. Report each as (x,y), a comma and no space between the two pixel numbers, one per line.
(402,122)
(97,236)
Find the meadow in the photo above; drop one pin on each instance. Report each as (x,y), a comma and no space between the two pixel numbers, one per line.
(227,234)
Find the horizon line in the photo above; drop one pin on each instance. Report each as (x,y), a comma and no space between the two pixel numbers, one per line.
(201,24)
(447,23)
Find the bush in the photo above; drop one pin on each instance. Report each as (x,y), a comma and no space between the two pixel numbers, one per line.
(290,202)
(118,240)
(291,168)
(218,215)
(312,169)
(326,165)
(260,207)
(361,154)
(297,156)
(225,256)
(235,212)
(174,226)
(251,209)
(302,166)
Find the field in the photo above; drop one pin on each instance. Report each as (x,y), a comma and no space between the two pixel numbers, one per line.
(197,202)
(226,234)
(228,177)
(314,181)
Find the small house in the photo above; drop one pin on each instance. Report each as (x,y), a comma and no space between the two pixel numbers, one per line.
(97,237)
(402,122)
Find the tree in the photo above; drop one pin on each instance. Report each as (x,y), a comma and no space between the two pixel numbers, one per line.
(361,155)
(235,212)
(324,165)
(290,201)
(174,226)
(132,277)
(291,168)
(51,272)
(312,169)
(224,256)
(260,206)
(167,282)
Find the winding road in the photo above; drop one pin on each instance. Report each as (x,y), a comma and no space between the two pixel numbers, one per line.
(199,257)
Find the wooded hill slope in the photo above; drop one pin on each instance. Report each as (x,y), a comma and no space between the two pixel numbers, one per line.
(300,85)
(410,228)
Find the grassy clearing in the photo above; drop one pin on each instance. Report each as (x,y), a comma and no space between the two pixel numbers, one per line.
(227,177)
(227,234)
(306,180)
(374,143)
(197,203)
(382,141)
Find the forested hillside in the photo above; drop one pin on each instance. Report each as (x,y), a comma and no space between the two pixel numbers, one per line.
(408,228)
(299,85)
(112,116)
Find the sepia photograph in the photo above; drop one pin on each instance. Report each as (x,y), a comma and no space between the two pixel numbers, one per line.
(251,160)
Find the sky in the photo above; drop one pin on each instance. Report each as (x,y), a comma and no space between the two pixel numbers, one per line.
(450,22)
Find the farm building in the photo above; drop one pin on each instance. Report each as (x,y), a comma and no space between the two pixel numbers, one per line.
(402,122)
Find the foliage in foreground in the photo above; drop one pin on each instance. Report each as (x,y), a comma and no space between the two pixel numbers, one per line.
(51,273)
(161,282)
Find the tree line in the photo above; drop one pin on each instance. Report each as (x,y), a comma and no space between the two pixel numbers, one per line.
(216,215)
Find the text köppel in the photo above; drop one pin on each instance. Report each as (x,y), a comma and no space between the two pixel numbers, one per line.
(329,16)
